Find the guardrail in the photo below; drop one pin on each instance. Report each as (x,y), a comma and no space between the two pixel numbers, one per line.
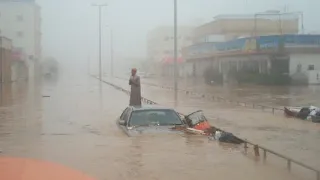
(255,146)
(218,98)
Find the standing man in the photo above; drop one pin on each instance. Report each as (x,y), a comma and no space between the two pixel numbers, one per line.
(135,94)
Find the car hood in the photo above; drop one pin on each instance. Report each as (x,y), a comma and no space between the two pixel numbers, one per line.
(135,131)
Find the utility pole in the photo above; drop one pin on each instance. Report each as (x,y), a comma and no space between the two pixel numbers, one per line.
(175,52)
(100,6)
(111,51)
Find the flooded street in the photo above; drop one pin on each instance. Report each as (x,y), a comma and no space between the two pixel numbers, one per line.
(72,122)
(291,137)
(276,96)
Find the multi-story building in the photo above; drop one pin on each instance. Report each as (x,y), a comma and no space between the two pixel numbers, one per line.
(20,20)
(160,48)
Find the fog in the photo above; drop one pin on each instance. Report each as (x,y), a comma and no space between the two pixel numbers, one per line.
(70,28)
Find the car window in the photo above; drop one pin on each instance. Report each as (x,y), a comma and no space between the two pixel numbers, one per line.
(154,117)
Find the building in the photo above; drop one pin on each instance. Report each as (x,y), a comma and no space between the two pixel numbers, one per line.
(20,20)
(160,47)
(275,49)
(5,59)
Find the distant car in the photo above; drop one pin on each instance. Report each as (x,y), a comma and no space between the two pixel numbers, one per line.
(149,119)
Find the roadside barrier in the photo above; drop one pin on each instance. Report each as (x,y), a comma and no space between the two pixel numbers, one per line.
(256,147)
(271,109)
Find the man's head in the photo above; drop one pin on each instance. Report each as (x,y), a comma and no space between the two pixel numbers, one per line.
(133,71)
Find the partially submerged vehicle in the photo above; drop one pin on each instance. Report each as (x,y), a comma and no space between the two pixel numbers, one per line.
(155,119)
(199,122)
(305,113)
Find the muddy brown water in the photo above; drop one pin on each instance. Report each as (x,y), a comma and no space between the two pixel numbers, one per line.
(291,137)
(72,122)
(276,96)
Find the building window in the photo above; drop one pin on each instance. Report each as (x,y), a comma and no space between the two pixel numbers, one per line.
(20,34)
(19,18)
(311,67)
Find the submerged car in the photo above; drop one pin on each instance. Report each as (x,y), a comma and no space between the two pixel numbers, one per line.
(152,119)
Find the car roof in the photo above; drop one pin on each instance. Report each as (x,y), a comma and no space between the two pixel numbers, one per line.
(150,107)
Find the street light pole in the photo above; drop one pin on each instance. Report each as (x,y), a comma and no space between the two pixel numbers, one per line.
(175,52)
(100,53)
(111,51)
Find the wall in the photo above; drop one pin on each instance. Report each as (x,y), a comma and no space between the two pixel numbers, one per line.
(314,77)
(305,60)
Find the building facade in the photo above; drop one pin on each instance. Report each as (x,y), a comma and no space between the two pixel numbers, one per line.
(20,20)
(160,46)
(5,59)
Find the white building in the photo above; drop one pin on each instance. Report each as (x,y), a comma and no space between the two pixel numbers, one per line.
(20,20)
(160,43)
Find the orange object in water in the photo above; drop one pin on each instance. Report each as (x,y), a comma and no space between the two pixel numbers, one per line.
(12,168)
(202,126)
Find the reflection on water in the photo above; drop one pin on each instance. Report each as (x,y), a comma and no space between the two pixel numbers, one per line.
(72,129)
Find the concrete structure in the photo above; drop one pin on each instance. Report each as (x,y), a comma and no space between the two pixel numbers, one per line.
(5,59)
(20,21)
(160,46)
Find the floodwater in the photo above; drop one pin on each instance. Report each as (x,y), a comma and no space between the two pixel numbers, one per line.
(291,137)
(72,122)
(276,96)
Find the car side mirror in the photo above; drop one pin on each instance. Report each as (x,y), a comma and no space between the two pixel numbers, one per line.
(122,122)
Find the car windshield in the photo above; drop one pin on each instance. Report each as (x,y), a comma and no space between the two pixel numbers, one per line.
(154,117)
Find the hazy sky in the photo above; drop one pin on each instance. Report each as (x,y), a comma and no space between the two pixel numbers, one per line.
(70,27)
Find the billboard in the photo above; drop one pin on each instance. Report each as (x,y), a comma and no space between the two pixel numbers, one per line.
(253,44)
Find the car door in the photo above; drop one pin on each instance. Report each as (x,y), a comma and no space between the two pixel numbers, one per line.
(195,118)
